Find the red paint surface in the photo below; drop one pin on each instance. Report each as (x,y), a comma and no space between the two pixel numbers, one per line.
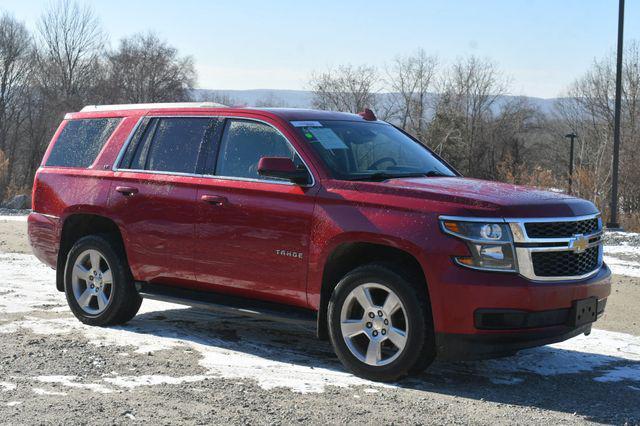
(228,241)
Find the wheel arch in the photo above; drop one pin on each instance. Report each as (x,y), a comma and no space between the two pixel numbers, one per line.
(349,255)
(78,225)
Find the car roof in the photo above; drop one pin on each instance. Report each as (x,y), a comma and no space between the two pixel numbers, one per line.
(287,114)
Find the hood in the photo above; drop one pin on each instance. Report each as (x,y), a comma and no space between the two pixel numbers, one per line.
(488,198)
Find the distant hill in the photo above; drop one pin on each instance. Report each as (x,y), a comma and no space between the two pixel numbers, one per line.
(302,98)
(259,97)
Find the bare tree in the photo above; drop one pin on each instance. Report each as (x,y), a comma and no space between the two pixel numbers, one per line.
(519,145)
(345,88)
(65,66)
(466,106)
(147,69)
(588,109)
(15,69)
(70,47)
(409,79)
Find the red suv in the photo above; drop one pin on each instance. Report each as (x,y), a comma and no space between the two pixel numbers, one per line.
(303,215)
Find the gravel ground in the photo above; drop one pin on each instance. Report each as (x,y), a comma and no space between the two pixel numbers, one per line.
(13,212)
(180,365)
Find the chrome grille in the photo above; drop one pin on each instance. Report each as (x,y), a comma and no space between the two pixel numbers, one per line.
(561,229)
(565,263)
(558,249)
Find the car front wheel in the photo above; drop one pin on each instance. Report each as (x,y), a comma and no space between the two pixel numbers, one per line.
(379,324)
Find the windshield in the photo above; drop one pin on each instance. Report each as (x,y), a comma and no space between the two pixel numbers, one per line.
(355,150)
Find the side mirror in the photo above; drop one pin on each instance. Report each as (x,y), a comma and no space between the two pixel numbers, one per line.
(282,168)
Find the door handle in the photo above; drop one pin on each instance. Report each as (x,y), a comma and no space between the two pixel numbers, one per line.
(127,190)
(215,200)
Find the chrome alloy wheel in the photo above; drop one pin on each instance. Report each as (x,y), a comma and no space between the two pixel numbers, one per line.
(92,282)
(374,324)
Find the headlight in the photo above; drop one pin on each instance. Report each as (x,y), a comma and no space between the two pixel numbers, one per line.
(490,244)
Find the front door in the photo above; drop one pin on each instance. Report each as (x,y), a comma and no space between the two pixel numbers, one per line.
(252,235)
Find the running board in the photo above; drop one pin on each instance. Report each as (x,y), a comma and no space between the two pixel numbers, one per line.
(228,304)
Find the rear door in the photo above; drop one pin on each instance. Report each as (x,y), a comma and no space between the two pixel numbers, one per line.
(252,235)
(153,196)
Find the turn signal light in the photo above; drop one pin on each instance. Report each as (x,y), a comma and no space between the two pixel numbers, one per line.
(453,227)
(465,260)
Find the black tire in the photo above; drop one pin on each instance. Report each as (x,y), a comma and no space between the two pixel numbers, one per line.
(124,301)
(419,350)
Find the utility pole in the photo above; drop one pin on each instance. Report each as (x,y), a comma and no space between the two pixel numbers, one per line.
(613,216)
(571,136)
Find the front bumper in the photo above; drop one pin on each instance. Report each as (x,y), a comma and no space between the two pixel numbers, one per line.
(457,293)
(515,330)
(466,347)
(481,315)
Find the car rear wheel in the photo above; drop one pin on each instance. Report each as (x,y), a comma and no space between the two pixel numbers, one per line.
(379,325)
(98,284)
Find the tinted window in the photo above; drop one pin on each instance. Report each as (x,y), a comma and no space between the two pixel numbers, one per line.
(244,143)
(170,145)
(80,142)
(141,127)
(140,147)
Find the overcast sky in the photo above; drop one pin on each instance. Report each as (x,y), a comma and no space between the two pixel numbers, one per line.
(542,45)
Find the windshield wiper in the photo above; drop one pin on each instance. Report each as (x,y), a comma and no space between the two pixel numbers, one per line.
(434,173)
(382,176)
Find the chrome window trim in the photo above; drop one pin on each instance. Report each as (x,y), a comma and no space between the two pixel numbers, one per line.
(116,164)
(523,253)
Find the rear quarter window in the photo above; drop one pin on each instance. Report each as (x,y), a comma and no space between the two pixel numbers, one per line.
(80,142)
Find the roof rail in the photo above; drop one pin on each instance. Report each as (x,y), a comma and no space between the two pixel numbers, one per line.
(167,105)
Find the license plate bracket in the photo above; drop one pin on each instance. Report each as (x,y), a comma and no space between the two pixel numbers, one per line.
(584,311)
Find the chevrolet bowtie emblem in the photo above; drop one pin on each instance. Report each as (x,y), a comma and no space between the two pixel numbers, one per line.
(578,243)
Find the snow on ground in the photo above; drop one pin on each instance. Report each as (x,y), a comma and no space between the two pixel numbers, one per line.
(622,253)
(16,218)
(6,386)
(70,381)
(26,284)
(272,354)
(40,391)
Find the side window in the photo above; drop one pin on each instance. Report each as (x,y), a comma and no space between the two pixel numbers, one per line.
(169,145)
(80,142)
(243,144)
(141,148)
(140,131)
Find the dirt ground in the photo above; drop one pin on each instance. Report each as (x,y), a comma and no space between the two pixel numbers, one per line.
(13,236)
(180,365)
(623,306)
